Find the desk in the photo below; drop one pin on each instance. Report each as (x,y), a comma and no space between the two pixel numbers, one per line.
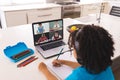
(13,35)
(10,36)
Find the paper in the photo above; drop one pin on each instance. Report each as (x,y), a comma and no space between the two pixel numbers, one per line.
(61,72)
(64,71)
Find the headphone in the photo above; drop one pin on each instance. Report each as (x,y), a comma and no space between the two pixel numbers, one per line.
(77,47)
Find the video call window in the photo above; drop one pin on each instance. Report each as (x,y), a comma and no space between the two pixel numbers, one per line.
(41,28)
(48,31)
(56,35)
(56,25)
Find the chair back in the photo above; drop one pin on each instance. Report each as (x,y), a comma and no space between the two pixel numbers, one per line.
(115,10)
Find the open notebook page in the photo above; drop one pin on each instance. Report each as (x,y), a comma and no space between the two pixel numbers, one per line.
(63,71)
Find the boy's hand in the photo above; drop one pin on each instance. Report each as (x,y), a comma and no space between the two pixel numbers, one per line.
(56,63)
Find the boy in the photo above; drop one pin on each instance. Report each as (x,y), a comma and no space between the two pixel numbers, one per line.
(92,47)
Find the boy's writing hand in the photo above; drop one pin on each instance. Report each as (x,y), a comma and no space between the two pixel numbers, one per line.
(56,63)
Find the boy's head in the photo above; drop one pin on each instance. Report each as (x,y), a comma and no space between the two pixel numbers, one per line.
(40,25)
(93,47)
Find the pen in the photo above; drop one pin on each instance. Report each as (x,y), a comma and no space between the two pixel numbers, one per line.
(67,51)
(59,53)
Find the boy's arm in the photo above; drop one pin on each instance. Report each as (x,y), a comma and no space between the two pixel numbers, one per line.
(42,67)
(49,75)
(66,62)
(70,63)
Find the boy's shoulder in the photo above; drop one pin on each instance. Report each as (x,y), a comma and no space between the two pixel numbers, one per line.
(80,73)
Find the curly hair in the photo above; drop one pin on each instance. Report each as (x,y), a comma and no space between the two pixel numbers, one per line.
(94,47)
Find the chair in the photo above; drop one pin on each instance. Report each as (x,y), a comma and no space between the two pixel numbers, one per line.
(115,10)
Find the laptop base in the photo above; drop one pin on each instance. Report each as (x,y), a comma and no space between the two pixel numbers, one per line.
(51,52)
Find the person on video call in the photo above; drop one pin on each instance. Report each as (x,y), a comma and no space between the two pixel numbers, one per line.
(42,38)
(56,36)
(40,28)
(56,24)
(93,48)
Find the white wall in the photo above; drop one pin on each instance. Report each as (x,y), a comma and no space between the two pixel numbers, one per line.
(116,3)
(113,3)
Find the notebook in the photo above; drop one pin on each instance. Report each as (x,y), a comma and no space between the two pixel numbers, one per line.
(64,71)
(48,37)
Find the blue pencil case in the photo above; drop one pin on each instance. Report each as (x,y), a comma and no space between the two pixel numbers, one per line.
(18,52)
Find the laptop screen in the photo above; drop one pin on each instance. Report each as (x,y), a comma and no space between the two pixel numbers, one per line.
(47,31)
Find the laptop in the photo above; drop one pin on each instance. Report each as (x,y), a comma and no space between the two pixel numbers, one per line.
(48,37)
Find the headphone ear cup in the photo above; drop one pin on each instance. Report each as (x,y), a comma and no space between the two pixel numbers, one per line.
(77,46)
(77,52)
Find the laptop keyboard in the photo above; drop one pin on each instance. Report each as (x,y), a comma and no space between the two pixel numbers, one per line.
(53,45)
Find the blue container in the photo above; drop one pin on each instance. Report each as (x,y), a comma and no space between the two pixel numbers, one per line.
(10,51)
